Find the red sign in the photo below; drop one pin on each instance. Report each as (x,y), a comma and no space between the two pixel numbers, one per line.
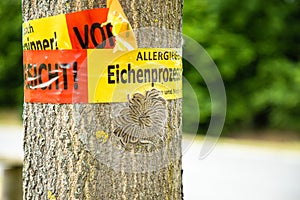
(58,76)
(87,31)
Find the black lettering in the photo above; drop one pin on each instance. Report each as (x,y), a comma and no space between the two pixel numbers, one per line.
(178,74)
(45,44)
(170,75)
(31,30)
(166,56)
(149,55)
(147,75)
(28,44)
(154,75)
(139,76)
(43,76)
(102,42)
(75,75)
(110,74)
(39,45)
(53,76)
(159,76)
(32,46)
(166,75)
(131,72)
(155,55)
(123,80)
(25,75)
(117,73)
(64,67)
(139,56)
(171,55)
(145,56)
(41,68)
(175,74)
(84,44)
(160,54)
(55,40)
(52,43)
(110,35)
(28,30)
(29,76)
(35,75)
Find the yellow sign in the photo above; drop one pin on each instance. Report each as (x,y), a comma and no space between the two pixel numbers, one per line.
(94,54)
(49,33)
(114,76)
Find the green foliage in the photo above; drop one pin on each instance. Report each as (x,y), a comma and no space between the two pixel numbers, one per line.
(255,45)
(10,54)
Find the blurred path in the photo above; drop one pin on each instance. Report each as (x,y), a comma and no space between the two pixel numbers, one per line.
(230,172)
(236,172)
(11,143)
(11,155)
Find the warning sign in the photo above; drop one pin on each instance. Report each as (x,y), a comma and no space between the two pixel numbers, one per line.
(79,30)
(134,71)
(46,34)
(100,75)
(87,31)
(57,76)
(91,56)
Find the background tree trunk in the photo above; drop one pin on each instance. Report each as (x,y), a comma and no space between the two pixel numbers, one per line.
(61,161)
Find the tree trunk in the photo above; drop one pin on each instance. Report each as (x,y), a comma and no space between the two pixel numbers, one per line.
(64,157)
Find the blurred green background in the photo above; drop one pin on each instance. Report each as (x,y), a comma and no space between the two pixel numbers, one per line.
(255,44)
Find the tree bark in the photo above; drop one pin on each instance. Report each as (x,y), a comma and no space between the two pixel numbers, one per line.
(64,152)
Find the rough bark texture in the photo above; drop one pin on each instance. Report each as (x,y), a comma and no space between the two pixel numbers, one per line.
(66,156)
